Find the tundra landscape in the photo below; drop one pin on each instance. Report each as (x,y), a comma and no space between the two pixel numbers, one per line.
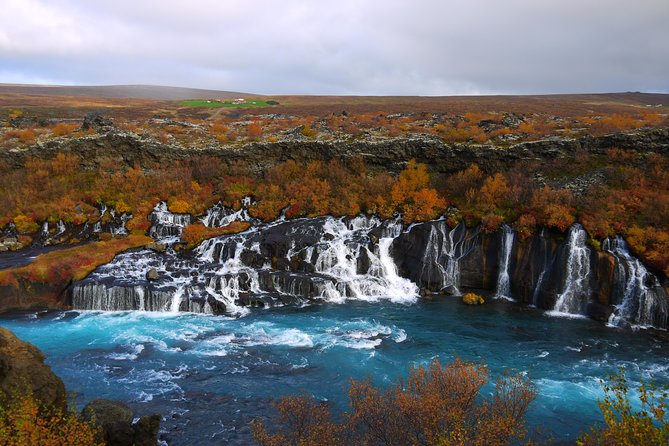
(362,224)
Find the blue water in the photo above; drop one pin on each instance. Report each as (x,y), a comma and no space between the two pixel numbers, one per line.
(210,375)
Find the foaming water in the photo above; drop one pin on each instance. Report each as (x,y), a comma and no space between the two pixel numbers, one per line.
(210,375)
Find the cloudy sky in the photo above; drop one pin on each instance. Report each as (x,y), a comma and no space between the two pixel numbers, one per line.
(426,47)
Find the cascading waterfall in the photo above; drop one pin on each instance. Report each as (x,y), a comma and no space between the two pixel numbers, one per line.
(574,297)
(327,259)
(642,302)
(167,226)
(219,215)
(337,255)
(297,261)
(503,290)
(441,259)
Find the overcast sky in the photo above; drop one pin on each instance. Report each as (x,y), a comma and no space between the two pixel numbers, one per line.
(389,47)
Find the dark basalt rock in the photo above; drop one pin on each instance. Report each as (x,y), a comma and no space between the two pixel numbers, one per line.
(115,420)
(152,274)
(96,121)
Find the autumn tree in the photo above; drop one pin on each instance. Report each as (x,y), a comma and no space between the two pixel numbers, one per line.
(623,424)
(412,196)
(437,405)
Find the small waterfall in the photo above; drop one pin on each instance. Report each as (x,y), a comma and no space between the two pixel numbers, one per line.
(503,280)
(574,297)
(547,263)
(443,252)
(60,228)
(165,224)
(218,215)
(641,301)
(338,253)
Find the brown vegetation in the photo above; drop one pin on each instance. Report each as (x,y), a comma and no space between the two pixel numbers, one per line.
(195,234)
(625,426)
(24,423)
(437,405)
(59,267)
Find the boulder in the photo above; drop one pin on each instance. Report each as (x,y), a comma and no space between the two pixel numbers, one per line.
(22,365)
(152,274)
(115,420)
(473,299)
(96,121)
(157,246)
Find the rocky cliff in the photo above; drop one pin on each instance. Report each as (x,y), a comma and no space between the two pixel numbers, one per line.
(21,365)
(389,154)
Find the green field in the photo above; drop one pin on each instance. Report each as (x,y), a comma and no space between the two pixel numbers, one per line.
(211,103)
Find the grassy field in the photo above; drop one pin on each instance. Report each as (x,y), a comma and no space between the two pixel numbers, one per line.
(250,103)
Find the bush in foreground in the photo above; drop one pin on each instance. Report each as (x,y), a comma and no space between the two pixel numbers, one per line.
(624,426)
(24,423)
(437,405)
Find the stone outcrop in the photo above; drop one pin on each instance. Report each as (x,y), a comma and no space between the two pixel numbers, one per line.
(21,365)
(116,422)
(388,154)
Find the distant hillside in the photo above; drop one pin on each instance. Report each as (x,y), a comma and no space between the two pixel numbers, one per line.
(119,91)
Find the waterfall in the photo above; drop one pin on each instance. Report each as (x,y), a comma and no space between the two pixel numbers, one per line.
(338,253)
(167,226)
(219,215)
(503,280)
(60,227)
(641,301)
(285,262)
(574,297)
(545,267)
(444,249)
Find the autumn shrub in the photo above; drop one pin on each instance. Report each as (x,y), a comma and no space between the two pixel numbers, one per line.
(25,224)
(64,128)
(436,405)
(26,136)
(24,423)
(179,206)
(195,234)
(254,130)
(623,424)
(61,266)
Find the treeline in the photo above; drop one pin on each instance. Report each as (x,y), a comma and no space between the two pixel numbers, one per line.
(622,192)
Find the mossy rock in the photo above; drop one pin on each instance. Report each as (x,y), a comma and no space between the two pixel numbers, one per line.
(473,299)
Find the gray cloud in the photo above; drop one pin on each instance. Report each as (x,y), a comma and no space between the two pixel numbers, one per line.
(429,47)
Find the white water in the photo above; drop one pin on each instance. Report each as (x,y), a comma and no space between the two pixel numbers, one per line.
(338,258)
(574,298)
(503,290)
(445,248)
(165,224)
(218,215)
(545,267)
(643,301)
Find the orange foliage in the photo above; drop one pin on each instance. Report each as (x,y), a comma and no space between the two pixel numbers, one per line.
(436,405)
(24,423)
(254,130)
(179,206)
(63,128)
(26,136)
(195,234)
(59,267)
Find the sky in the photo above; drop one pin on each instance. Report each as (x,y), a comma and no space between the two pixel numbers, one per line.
(341,47)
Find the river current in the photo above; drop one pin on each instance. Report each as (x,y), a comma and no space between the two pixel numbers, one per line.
(210,375)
